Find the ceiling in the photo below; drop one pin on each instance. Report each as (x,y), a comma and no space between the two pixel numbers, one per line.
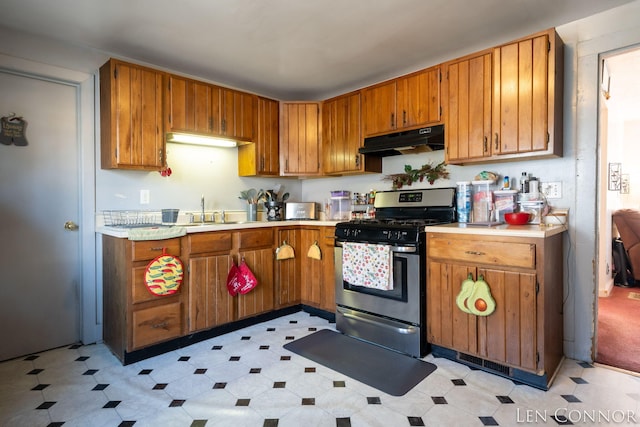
(291,49)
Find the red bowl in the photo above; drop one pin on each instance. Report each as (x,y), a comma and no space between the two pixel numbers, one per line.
(517,218)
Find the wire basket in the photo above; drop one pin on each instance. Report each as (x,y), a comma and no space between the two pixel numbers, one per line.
(131,219)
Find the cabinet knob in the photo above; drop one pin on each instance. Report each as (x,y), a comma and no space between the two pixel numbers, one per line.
(404,117)
(496,141)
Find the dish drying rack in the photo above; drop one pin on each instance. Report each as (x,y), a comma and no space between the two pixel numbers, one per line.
(131,218)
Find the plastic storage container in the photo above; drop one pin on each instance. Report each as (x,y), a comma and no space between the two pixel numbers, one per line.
(533,207)
(505,201)
(482,201)
(341,205)
(463,201)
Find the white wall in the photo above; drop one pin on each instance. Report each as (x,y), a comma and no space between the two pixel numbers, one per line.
(212,172)
(586,40)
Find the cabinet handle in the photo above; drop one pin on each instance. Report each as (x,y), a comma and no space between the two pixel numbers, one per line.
(157,249)
(357,160)
(485,144)
(160,156)
(496,141)
(162,325)
(475,253)
(404,117)
(262,163)
(393,120)
(224,125)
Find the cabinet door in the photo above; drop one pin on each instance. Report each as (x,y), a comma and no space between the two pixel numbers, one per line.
(261,298)
(210,303)
(189,106)
(331,136)
(299,138)
(418,99)
(238,114)
(509,334)
(132,125)
(288,274)
(328,285)
(468,108)
(268,137)
(310,268)
(379,109)
(342,138)
(447,325)
(261,158)
(520,96)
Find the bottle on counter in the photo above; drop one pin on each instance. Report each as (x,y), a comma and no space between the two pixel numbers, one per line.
(524,183)
(463,201)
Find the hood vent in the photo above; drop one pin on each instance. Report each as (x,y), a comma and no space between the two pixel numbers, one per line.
(407,142)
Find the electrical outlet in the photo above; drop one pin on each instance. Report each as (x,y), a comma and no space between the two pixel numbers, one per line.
(551,190)
(144,197)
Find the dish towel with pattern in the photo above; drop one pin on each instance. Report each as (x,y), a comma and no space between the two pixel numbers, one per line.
(367,264)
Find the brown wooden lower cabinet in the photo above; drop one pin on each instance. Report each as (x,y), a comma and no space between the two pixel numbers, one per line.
(135,319)
(524,276)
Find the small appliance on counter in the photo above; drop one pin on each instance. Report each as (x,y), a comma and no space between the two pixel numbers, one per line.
(300,210)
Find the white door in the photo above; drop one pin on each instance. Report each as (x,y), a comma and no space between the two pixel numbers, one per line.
(39,259)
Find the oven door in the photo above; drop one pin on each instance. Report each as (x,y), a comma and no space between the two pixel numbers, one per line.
(401,303)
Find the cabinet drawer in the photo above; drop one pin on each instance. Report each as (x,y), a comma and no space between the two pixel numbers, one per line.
(508,254)
(156,324)
(255,238)
(149,249)
(209,242)
(139,291)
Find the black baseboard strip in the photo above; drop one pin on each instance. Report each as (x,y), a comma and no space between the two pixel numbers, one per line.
(516,375)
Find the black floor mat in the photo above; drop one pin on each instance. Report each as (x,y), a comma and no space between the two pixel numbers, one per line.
(386,370)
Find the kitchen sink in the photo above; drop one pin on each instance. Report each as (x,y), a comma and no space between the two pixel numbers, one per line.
(201,224)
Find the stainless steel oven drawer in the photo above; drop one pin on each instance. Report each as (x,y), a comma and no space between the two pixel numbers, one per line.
(387,333)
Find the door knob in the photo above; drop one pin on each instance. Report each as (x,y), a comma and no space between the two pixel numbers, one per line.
(70,225)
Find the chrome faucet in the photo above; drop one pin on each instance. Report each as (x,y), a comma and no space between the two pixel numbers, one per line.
(222,215)
(202,207)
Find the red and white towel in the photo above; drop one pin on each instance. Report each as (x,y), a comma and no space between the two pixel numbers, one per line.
(369,265)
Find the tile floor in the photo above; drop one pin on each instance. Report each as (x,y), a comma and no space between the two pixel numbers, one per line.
(246,378)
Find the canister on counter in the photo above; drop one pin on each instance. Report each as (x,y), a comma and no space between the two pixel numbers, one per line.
(463,201)
(482,204)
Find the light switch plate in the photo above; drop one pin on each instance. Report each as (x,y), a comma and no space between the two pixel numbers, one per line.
(551,190)
(144,197)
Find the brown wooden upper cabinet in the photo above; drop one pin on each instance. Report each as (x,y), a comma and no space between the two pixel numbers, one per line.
(467,87)
(404,103)
(238,114)
(131,118)
(207,109)
(189,105)
(260,158)
(526,104)
(341,137)
(300,138)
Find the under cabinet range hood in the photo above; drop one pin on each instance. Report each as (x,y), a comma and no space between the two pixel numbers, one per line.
(407,142)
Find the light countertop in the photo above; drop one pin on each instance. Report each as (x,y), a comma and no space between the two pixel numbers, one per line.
(124,232)
(531,230)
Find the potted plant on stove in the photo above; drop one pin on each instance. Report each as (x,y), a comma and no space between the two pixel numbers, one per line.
(274,203)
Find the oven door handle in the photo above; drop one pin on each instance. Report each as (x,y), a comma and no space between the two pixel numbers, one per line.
(404,249)
(378,321)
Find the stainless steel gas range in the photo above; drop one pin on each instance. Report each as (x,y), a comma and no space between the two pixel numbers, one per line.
(380,269)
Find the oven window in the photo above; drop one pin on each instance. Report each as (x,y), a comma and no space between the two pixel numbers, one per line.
(399,291)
